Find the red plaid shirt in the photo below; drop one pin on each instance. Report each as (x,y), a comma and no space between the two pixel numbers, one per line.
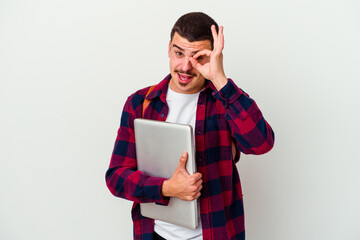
(221,117)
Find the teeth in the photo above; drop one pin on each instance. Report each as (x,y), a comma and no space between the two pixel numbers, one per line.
(184,77)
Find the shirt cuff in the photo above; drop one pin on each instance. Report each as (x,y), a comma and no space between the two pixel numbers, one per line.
(228,94)
(156,193)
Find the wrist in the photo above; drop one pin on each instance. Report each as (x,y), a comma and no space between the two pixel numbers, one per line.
(165,189)
(220,82)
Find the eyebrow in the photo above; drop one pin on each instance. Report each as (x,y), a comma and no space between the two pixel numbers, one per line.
(174,45)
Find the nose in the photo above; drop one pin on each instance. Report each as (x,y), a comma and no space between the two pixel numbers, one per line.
(186,65)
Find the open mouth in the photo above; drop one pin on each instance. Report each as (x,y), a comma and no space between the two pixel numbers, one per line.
(184,78)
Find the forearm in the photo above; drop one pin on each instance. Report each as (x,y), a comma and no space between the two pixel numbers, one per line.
(251,131)
(122,178)
(134,185)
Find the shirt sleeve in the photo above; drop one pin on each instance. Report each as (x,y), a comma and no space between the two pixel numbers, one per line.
(122,178)
(251,131)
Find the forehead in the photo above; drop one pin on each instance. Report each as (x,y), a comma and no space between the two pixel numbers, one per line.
(185,45)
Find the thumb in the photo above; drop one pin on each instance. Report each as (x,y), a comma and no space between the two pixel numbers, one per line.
(194,62)
(197,65)
(183,160)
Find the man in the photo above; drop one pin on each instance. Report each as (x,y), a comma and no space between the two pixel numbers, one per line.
(225,120)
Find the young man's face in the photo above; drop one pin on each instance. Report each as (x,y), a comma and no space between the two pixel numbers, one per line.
(185,78)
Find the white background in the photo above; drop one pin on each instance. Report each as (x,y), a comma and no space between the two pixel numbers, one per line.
(66,68)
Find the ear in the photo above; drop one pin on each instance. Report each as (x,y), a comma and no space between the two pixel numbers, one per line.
(169,48)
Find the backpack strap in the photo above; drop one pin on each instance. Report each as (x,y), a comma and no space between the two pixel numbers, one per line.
(147,102)
(233,148)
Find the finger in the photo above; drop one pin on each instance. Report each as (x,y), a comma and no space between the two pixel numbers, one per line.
(194,62)
(205,52)
(198,183)
(197,195)
(199,188)
(221,31)
(214,34)
(197,65)
(220,43)
(197,176)
(192,197)
(182,162)
(221,40)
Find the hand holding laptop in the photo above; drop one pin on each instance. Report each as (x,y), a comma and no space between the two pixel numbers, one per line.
(181,184)
(158,148)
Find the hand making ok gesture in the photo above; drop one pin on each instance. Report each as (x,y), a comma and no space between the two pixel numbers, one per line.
(212,69)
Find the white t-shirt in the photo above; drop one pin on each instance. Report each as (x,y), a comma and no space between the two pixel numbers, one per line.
(182,109)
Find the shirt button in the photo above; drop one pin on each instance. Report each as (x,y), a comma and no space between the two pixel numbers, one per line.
(162,115)
(200,159)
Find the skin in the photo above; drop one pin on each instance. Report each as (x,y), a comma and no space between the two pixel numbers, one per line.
(181,184)
(190,64)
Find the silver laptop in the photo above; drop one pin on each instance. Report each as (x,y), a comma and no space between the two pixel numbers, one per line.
(159,146)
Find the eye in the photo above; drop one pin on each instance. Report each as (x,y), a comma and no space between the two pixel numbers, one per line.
(179,53)
(199,58)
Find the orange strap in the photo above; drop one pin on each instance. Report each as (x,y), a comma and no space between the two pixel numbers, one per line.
(233,148)
(147,102)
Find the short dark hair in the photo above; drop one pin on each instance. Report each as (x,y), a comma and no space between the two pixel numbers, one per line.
(194,26)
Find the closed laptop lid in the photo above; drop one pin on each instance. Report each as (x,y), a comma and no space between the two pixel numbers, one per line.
(159,146)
